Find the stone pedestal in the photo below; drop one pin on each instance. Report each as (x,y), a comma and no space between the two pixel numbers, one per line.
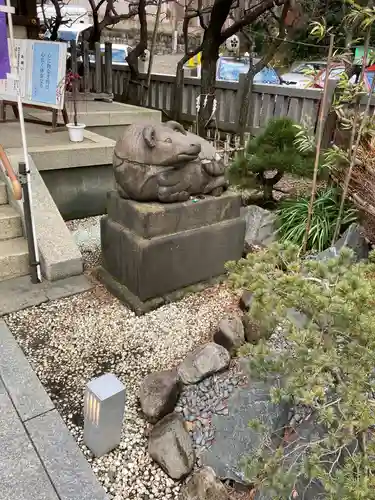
(151,250)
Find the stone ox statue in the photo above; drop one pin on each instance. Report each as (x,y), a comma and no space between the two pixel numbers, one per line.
(163,162)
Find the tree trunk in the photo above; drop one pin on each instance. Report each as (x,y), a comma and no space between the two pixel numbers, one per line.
(210,56)
(247,92)
(152,50)
(178,91)
(134,94)
(210,53)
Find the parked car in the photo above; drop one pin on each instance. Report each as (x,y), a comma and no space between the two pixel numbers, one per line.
(76,33)
(334,74)
(300,75)
(229,69)
(119,53)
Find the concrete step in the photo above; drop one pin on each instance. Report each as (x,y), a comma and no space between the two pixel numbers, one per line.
(10,223)
(14,260)
(3,193)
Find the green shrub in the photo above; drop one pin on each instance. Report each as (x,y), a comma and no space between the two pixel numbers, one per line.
(292,219)
(328,366)
(275,149)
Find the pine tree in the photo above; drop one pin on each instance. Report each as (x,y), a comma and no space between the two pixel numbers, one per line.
(328,367)
(275,149)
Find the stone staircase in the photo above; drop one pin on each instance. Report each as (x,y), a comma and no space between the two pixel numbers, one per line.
(13,246)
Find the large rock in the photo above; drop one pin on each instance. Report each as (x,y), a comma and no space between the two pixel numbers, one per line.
(204,485)
(230,333)
(171,447)
(159,393)
(202,362)
(234,439)
(354,239)
(260,227)
(307,432)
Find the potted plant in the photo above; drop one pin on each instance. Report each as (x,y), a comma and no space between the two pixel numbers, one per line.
(75,128)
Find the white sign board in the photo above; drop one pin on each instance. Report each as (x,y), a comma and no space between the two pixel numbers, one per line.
(41,67)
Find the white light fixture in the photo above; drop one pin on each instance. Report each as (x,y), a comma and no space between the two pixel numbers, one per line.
(104,406)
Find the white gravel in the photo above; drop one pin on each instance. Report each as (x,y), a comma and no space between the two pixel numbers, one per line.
(70,341)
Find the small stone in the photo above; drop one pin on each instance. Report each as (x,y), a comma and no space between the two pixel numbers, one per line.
(224,411)
(198,438)
(230,333)
(220,407)
(252,330)
(202,362)
(158,394)
(245,301)
(171,447)
(204,485)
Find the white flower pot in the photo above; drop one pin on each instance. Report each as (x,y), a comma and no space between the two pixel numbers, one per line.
(76,131)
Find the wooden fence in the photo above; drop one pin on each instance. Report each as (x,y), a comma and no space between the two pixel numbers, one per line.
(268,101)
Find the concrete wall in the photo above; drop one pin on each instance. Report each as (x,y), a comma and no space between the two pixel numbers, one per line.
(80,192)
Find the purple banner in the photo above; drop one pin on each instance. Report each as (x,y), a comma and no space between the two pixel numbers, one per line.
(4,54)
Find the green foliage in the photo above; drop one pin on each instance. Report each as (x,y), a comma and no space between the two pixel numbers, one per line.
(274,149)
(327,365)
(293,213)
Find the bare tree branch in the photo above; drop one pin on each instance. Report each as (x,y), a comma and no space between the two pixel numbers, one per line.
(252,15)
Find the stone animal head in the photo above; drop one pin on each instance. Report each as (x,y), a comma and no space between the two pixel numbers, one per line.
(157,144)
(208,151)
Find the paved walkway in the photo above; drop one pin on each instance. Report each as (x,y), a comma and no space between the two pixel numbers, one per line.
(19,293)
(39,459)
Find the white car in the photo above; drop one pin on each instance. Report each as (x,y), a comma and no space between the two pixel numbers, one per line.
(312,75)
(119,53)
(300,76)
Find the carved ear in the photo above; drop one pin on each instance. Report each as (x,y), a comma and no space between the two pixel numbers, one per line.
(149,136)
(176,126)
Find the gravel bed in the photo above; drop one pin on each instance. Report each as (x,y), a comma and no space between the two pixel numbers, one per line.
(199,402)
(70,341)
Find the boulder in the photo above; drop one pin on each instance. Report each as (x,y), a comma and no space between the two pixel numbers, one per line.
(260,227)
(204,485)
(202,362)
(230,333)
(159,393)
(171,447)
(354,239)
(234,439)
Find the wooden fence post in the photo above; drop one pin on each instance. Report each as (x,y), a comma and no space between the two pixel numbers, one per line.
(86,67)
(98,69)
(108,69)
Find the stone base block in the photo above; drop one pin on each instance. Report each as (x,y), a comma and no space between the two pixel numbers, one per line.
(142,307)
(149,220)
(151,268)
